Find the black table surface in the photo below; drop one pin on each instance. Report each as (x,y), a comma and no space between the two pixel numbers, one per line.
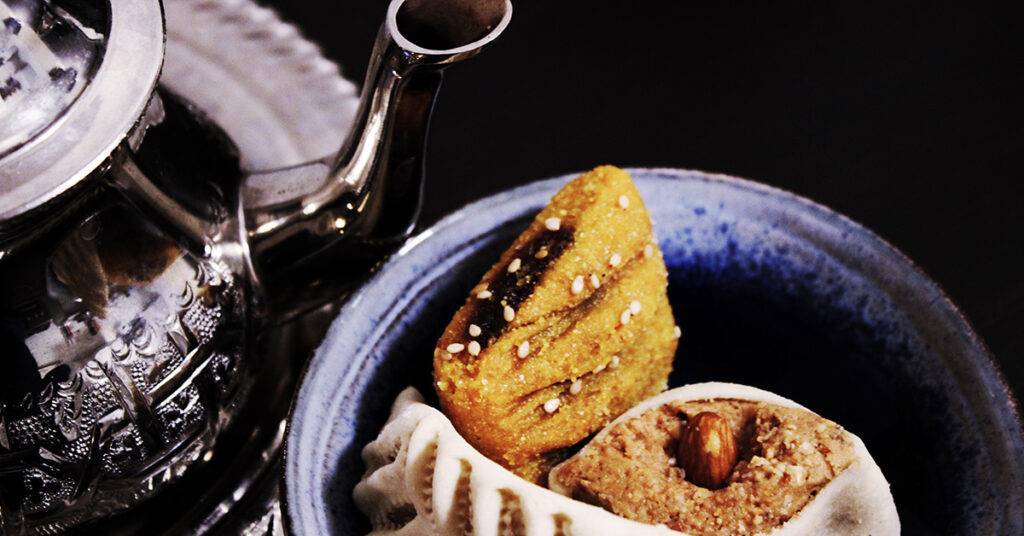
(906,117)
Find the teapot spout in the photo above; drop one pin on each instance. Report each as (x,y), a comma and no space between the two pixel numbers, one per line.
(300,248)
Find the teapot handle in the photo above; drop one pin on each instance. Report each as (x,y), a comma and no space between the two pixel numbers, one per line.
(301,246)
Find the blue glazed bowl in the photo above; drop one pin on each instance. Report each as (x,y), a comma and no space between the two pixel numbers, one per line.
(770,289)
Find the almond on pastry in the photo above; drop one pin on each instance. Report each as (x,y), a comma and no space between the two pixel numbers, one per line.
(720,458)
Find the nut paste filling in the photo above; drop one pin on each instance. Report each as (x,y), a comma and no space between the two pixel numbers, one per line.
(718,466)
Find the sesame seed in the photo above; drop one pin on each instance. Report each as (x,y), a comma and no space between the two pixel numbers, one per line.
(648,251)
(615,260)
(678,332)
(551,406)
(634,307)
(446,356)
(474,330)
(623,201)
(474,348)
(509,314)
(624,317)
(455,347)
(553,224)
(576,387)
(523,350)
(672,462)
(541,253)
(513,266)
(614,363)
(796,473)
(484,294)
(577,284)
(594,281)
(600,368)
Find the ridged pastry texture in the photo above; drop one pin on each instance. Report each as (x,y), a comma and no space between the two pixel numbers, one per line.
(856,502)
(570,328)
(423,478)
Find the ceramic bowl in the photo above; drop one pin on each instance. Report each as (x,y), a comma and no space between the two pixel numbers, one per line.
(771,290)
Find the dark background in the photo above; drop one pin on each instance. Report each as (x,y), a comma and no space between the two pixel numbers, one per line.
(906,117)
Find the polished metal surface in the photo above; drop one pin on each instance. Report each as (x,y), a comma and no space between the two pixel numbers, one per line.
(47,57)
(373,190)
(74,139)
(271,90)
(122,357)
(146,309)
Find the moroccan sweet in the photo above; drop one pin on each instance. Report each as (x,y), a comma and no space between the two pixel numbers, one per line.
(423,478)
(570,334)
(570,328)
(728,459)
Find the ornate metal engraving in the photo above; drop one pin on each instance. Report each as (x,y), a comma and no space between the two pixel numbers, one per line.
(135,364)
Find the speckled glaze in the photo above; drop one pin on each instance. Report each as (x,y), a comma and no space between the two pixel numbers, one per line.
(770,289)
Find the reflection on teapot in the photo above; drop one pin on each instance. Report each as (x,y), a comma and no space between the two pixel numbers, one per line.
(129,351)
(140,262)
(121,348)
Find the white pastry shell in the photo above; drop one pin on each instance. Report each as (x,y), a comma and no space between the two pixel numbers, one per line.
(419,467)
(423,478)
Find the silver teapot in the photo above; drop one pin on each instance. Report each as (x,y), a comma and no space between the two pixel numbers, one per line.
(140,265)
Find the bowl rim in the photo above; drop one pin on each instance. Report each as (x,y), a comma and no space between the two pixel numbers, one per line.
(921,280)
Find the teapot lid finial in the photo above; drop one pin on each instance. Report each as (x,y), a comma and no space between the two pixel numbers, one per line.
(75,77)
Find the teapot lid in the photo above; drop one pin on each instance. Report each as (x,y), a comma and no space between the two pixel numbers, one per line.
(75,77)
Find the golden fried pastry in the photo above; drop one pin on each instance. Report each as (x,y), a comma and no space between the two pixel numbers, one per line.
(569,329)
